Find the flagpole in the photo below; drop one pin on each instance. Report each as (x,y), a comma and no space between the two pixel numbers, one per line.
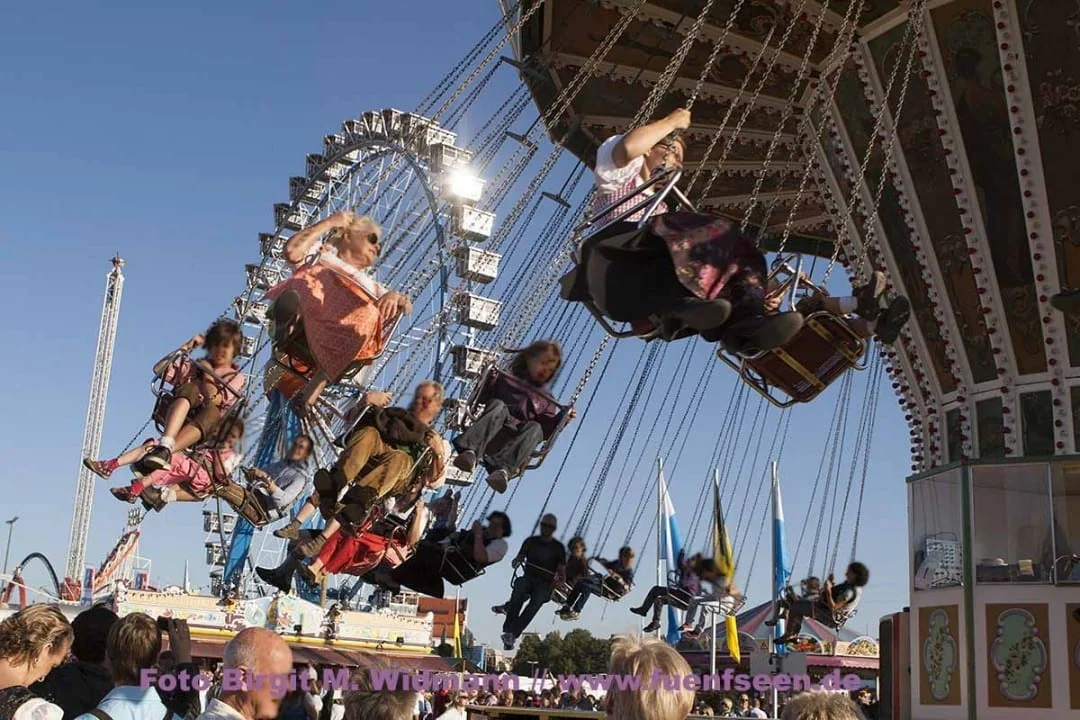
(778,629)
(660,526)
(712,647)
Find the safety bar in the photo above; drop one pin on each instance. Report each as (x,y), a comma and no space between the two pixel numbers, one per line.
(669,178)
(157,385)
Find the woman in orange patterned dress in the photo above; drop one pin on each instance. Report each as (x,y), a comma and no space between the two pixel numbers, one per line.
(340,311)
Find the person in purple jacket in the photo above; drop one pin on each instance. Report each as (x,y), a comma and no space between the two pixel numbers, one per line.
(519,410)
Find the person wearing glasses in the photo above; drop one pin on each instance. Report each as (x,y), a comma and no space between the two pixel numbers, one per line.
(544,561)
(332,302)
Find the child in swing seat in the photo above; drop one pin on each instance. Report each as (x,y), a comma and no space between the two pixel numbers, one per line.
(520,402)
(190,478)
(199,403)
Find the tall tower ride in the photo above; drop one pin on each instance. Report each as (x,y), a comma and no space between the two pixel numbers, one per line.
(95,418)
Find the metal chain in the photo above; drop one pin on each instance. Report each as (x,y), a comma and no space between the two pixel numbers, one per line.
(785,114)
(718,45)
(825,92)
(914,31)
(672,69)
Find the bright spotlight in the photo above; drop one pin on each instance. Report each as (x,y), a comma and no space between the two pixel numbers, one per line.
(464,186)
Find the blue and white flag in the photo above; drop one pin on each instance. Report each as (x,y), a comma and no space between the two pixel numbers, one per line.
(781,563)
(671,546)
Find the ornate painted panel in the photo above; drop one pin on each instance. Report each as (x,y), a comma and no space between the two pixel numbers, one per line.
(1072,637)
(939,655)
(925,156)
(1051,31)
(859,123)
(966,36)
(1018,656)
(991,428)
(1037,421)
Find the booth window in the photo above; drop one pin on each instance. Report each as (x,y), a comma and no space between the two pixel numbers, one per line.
(1066,494)
(934,504)
(1013,533)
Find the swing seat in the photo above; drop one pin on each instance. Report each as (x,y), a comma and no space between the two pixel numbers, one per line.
(610,221)
(726,606)
(471,410)
(798,372)
(457,569)
(391,530)
(164,385)
(245,503)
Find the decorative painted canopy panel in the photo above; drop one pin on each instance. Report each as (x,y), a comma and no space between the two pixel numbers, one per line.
(935,140)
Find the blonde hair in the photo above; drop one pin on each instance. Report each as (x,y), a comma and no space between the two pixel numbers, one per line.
(821,706)
(360,224)
(24,635)
(643,657)
(437,387)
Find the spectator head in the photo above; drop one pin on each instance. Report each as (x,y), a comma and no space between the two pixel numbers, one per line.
(648,657)
(33,641)
(858,574)
(364,701)
(262,653)
(91,632)
(548,525)
(501,521)
(726,705)
(821,706)
(133,645)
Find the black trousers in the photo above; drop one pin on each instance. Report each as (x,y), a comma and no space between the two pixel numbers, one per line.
(527,589)
(512,456)
(421,571)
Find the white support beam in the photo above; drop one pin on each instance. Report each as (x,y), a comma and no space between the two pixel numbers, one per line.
(1040,240)
(975,235)
(685,85)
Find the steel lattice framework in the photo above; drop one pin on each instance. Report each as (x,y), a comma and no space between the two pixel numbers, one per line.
(95,418)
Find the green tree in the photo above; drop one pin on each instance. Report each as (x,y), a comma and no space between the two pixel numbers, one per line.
(576,652)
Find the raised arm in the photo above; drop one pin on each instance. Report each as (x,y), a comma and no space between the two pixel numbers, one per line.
(300,244)
(417,524)
(187,347)
(639,142)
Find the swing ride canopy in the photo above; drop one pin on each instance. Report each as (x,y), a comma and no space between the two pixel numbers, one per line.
(936,143)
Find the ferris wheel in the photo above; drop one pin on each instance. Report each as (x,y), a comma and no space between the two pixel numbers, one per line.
(405,172)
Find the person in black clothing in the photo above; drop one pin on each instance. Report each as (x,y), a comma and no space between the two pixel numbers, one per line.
(78,686)
(545,560)
(842,598)
(614,586)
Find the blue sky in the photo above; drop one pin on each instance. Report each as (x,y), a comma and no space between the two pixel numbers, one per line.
(168,134)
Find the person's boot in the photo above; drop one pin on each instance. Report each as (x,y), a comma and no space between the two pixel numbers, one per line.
(465,461)
(328,485)
(753,335)
(153,499)
(289,532)
(889,326)
(702,314)
(280,577)
(310,548)
(1067,301)
(869,296)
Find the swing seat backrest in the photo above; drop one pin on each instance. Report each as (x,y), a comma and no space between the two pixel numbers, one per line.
(457,569)
(483,394)
(646,197)
(798,372)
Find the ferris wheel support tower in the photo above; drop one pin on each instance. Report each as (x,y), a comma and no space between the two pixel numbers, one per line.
(95,418)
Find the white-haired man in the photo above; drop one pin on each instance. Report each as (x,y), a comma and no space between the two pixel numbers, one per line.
(251,659)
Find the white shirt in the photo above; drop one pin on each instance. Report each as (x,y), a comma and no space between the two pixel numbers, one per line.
(130,702)
(607,175)
(757,713)
(496,549)
(38,709)
(452,714)
(218,710)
